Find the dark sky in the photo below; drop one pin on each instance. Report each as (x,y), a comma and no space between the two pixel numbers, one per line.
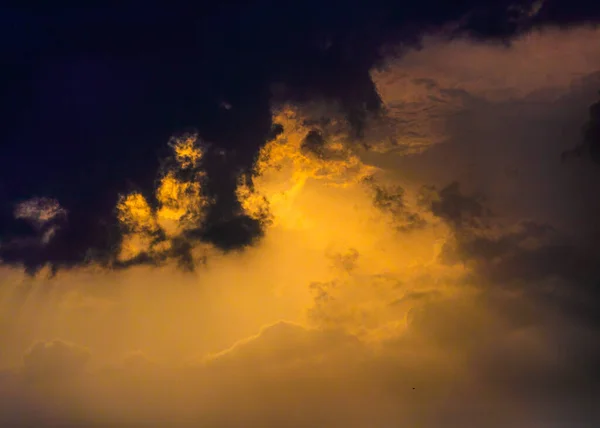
(91,95)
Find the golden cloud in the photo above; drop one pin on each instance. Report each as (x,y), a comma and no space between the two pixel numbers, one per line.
(362,319)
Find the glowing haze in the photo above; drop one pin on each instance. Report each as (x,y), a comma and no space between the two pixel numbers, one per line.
(439,274)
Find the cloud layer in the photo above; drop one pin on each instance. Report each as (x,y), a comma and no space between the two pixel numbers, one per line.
(447,277)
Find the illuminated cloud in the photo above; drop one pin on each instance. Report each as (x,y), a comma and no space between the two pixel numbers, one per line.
(475,358)
(39,211)
(181,206)
(44,214)
(313,146)
(54,359)
(423,89)
(386,290)
(280,347)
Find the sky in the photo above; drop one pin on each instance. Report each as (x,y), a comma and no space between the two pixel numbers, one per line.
(365,215)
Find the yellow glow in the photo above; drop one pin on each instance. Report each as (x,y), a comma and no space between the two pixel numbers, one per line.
(187,151)
(181,204)
(284,167)
(133,245)
(134,212)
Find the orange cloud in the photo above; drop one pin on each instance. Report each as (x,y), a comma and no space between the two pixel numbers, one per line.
(369,301)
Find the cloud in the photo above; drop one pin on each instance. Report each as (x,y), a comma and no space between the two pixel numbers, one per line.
(181,205)
(38,224)
(39,211)
(499,124)
(423,89)
(391,200)
(450,287)
(453,206)
(54,359)
(282,348)
(528,257)
(591,138)
(469,358)
(45,215)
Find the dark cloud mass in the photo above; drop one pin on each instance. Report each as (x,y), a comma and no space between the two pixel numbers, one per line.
(326,214)
(89,110)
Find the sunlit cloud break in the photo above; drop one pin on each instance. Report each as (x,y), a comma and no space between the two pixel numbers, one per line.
(181,204)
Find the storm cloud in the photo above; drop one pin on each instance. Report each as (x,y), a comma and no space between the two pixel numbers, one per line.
(439,268)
